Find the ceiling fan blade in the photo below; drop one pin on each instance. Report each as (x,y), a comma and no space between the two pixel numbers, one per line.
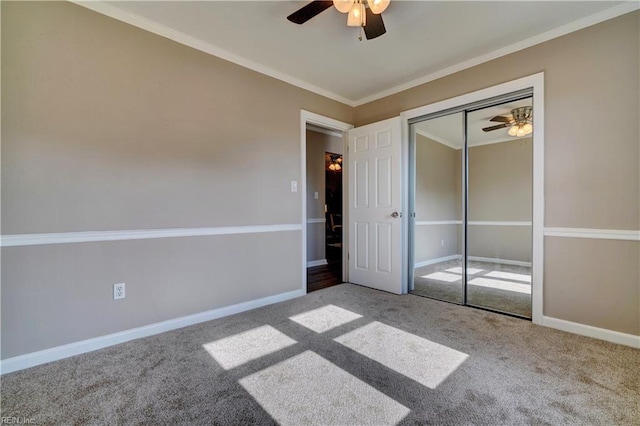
(307,12)
(501,119)
(374,27)
(499,126)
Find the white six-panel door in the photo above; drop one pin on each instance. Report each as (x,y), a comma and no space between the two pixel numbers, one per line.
(375,200)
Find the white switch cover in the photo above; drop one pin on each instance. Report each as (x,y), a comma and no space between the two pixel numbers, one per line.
(315,195)
(294,186)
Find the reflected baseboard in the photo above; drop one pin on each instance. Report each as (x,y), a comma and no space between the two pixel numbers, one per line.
(473,258)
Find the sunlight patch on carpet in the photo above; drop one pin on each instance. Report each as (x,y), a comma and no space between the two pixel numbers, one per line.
(325,318)
(250,345)
(509,276)
(443,276)
(501,285)
(422,360)
(308,389)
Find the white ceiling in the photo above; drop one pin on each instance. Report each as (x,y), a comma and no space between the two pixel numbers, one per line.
(448,129)
(424,39)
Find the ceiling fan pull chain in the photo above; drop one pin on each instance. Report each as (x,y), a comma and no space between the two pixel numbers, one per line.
(360,36)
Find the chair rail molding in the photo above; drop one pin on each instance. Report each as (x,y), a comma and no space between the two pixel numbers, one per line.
(138,234)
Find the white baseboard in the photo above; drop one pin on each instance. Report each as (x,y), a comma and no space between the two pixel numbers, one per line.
(53,354)
(436,260)
(319,262)
(500,261)
(590,331)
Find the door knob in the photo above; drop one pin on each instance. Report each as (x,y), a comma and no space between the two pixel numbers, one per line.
(396,215)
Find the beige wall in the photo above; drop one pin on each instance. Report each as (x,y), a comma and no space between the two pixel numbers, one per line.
(501,181)
(437,198)
(437,181)
(592,159)
(500,190)
(317,145)
(108,127)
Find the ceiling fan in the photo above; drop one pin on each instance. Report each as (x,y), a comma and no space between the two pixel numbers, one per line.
(520,122)
(365,14)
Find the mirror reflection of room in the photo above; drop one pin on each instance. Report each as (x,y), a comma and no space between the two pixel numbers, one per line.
(495,235)
(500,205)
(438,207)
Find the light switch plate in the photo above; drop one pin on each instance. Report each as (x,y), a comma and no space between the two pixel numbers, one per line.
(294,186)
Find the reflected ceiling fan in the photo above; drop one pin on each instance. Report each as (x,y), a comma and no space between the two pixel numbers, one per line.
(520,122)
(365,14)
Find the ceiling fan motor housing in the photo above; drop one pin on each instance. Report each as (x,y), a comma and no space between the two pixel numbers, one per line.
(522,114)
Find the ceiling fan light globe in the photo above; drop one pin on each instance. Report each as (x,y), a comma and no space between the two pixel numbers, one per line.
(343,6)
(357,16)
(378,6)
(520,132)
(513,130)
(528,128)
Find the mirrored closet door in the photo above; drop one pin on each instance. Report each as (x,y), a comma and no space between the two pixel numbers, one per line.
(471,194)
(438,147)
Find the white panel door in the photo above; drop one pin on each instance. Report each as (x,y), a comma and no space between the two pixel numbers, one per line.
(375,199)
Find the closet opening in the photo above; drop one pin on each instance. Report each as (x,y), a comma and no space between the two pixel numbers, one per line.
(471,194)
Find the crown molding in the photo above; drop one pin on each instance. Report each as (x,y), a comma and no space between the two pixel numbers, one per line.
(198,44)
(456,147)
(585,22)
(182,38)
(437,139)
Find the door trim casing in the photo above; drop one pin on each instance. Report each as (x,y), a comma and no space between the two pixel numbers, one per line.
(314,119)
(535,82)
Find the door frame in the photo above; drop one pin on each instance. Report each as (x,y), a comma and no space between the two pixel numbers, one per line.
(536,82)
(307,117)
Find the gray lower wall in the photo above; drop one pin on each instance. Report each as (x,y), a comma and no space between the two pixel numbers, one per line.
(436,241)
(598,269)
(62,293)
(316,246)
(500,242)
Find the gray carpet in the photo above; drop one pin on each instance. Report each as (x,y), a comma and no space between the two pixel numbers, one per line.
(495,286)
(351,355)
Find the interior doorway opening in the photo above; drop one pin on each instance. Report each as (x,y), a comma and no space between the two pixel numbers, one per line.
(324,193)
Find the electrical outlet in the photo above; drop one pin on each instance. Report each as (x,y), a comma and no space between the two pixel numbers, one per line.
(118,291)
